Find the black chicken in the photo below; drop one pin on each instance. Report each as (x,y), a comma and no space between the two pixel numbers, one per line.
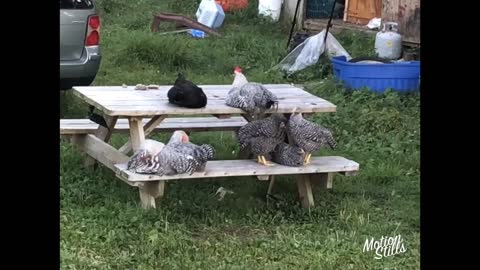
(95,117)
(185,93)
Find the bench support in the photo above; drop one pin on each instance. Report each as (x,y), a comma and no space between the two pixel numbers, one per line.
(305,190)
(150,191)
(98,150)
(104,134)
(270,184)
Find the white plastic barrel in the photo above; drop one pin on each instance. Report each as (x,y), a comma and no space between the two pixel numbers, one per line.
(270,8)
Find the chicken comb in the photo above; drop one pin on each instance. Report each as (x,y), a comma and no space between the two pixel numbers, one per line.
(237,69)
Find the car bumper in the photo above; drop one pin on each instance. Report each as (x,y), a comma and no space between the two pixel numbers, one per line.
(85,67)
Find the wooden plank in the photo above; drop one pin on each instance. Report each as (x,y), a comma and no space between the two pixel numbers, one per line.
(84,126)
(163,103)
(127,102)
(158,95)
(314,26)
(119,94)
(147,129)
(227,168)
(120,104)
(152,110)
(305,191)
(104,134)
(99,150)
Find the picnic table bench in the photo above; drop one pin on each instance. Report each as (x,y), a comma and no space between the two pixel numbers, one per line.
(149,111)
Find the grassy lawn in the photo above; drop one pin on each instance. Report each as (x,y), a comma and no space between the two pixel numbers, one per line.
(103,227)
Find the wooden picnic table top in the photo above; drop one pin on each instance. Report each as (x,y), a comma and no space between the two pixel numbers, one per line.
(126,101)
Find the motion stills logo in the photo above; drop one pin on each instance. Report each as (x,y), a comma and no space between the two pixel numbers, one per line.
(385,246)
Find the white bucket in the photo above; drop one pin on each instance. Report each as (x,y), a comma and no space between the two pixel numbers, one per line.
(270,8)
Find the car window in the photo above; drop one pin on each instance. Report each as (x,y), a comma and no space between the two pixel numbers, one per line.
(76,4)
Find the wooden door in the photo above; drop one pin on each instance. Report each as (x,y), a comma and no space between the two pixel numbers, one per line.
(362,11)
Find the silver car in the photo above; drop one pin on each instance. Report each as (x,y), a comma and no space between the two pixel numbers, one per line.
(79,43)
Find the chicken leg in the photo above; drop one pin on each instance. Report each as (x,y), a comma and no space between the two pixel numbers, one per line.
(307,158)
(263,161)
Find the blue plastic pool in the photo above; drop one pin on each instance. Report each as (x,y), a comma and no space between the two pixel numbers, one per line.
(400,76)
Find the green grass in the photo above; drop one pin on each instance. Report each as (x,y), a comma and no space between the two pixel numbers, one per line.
(103,227)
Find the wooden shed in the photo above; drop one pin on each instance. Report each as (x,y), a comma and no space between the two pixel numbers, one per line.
(355,14)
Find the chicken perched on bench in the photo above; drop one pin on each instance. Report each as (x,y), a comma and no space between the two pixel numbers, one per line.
(288,155)
(262,136)
(179,156)
(251,97)
(201,153)
(143,157)
(185,93)
(309,136)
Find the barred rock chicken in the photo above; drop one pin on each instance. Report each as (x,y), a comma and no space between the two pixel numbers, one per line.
(262,136)
(185,93)
(179,156)
(251,97)
(201,153)
(288,155)
(308,135)
(144,155)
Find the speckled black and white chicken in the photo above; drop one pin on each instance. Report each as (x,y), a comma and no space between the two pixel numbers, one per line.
(288,155)
(179,156)
(309,136)
(251,97)
(201,153)
(262,136)
(143,157)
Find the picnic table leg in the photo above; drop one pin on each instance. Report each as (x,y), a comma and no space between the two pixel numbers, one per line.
(103,134)
(147,129)
(149,191)
(305,191)
(271,182)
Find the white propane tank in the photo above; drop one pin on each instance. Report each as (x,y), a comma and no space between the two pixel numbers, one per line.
(388,42)
(210,14)
(270,8)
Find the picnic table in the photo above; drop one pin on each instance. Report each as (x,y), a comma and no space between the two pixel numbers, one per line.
(141,112)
